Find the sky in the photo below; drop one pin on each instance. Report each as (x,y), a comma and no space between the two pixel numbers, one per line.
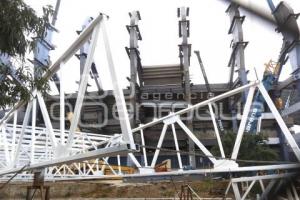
(209,26)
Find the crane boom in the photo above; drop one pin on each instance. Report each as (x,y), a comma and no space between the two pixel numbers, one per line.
(210,94)
(257,108)
(203,71)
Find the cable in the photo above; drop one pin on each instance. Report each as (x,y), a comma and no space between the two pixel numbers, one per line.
(218,157)
(11,178)
(206,156)
(168,150)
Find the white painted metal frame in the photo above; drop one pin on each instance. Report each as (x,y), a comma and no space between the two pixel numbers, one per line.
(61,168)
(222,162)
(269,180)
(59,151)
(45,147)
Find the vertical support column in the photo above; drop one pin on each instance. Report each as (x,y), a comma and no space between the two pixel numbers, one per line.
(119,165)
(33,124)
(83,56)
(237,58)
(133,53)
(14,134)
(62,106)
(5,142)
(184,55)
(144,148)
(238,45)
(85,48)
(83,85)
(233,110)
(288,26)
(176,146)
(44,46)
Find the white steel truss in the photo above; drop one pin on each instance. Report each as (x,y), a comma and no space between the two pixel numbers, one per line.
(226,163)
(38,147)
(68,154)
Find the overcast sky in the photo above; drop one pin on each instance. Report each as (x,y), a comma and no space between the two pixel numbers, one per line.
(159,28)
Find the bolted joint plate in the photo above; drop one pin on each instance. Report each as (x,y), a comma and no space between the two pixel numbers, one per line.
(225,164)
(171,119)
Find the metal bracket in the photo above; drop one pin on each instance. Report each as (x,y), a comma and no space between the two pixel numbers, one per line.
(136,28)
(241,18)
(187,27)
(235,46)
(181,51)
(172,119)
(138,14)
(286,21)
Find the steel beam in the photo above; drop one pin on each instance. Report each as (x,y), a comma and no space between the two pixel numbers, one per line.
(236,190)
(219,170)
(198,105)
(33,127)
(99,153)
(264,177)
(118,93)
(46,119)
(255,9)
(83,85)
(195,140)
(176,146)
(160,141)
(288,136)
(248,190)
(238,45)
(269,187)
(243,123)
(213,118)
(144,148)
(133,44)
(184,54)
(62,106)
(19,145)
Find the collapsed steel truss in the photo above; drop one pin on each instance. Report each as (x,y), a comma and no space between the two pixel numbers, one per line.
(68,154)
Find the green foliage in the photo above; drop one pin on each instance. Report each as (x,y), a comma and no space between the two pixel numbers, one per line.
(253,147)
(10,90)
(19,24)
(20,27)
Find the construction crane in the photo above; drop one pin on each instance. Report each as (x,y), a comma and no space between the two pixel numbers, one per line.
(273,69)
(270,75)
(210,94)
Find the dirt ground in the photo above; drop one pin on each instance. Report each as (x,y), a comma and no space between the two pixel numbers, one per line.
(95,189)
